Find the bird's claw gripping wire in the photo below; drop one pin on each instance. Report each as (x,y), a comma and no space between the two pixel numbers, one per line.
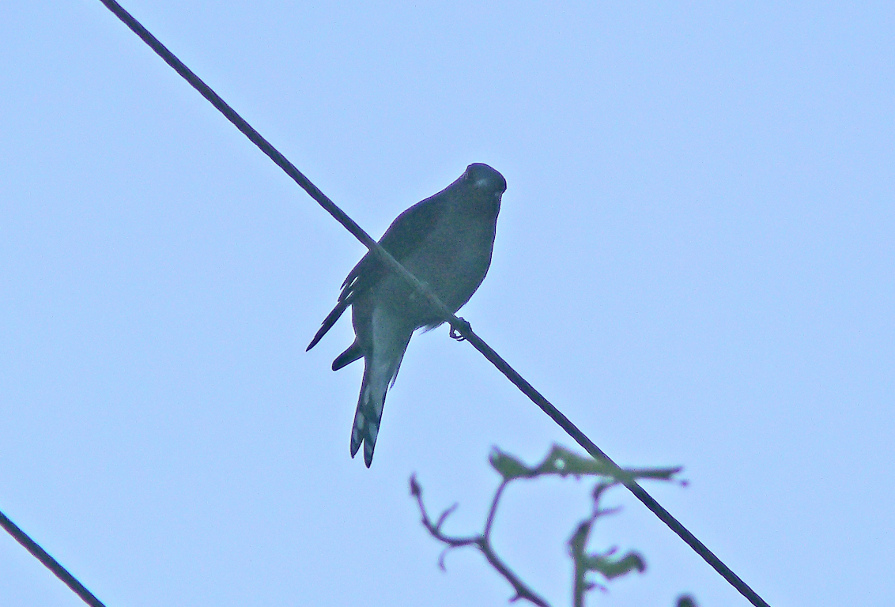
(455,334)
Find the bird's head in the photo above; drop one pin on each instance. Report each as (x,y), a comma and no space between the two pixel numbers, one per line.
(485,179)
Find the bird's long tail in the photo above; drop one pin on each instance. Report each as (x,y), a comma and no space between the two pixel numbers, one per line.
(380,371)
(366,423)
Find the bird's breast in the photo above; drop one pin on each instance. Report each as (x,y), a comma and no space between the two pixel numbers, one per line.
(452,261)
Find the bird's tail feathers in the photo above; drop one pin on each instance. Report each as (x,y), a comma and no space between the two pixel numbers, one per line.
(366,421)
(377,380)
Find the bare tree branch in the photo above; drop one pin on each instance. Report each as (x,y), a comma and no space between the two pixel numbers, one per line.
(559,462)
(482,542)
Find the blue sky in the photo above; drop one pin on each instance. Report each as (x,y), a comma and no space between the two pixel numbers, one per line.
(694,262)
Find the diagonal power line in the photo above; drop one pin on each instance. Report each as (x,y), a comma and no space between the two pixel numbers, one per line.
(49,562)
(457,324)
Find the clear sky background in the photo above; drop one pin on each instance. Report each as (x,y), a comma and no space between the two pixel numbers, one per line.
(694,261)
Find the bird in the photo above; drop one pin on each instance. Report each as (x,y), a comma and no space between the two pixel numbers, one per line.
(446,241)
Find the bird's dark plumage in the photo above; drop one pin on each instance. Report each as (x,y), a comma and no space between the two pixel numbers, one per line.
(446,242)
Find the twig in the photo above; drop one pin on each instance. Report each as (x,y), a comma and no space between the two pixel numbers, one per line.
(559,462)
(482,542)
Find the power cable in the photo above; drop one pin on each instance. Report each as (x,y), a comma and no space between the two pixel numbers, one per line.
(49,562)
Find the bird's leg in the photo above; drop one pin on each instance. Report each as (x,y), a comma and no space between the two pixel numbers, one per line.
(455,334)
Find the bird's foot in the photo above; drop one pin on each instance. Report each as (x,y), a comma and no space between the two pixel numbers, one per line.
(455,334)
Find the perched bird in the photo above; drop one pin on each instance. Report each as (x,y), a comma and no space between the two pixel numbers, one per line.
(446,242)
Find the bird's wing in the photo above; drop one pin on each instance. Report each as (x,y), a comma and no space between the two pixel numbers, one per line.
(407,232)
(328,322)
(403,237)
